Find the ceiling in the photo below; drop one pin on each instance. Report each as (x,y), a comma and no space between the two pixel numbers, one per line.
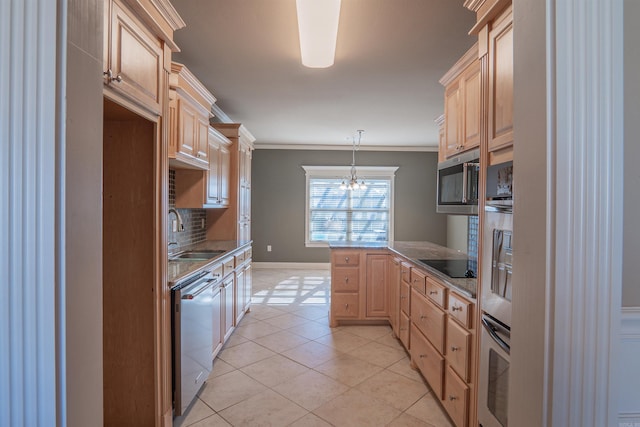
(390,55)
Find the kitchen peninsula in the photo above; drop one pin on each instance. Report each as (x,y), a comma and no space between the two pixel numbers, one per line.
(430,312)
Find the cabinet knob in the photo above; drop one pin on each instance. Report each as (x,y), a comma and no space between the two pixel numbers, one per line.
(452,398)
(422,356)
(109,76)
(346,259)
(433,292)
(403,297)
(346,280)
(423,317)
(346,306)
(454,348)
(456,308)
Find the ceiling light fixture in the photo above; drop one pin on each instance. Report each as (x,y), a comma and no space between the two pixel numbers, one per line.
(318,29)
(353,179)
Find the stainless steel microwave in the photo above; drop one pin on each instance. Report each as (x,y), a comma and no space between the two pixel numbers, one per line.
(458,184)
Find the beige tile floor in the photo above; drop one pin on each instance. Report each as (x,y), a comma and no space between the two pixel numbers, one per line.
(284,366)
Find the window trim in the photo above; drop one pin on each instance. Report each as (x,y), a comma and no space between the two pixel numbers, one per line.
(340,172)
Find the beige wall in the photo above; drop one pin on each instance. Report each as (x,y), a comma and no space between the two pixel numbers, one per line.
(630,277)
(83,213)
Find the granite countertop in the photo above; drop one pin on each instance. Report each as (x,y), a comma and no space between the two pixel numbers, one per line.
(180,269)
(415,251)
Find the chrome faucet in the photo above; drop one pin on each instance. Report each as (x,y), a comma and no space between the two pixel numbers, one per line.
(178,217)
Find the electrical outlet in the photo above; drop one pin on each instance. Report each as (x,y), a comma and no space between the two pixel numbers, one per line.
(174,225)
(268,248)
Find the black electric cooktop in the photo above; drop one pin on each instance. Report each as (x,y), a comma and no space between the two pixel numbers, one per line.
(454,268)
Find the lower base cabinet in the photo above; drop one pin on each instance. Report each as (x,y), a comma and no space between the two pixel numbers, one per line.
(227,307)
(427,359)
(456,398)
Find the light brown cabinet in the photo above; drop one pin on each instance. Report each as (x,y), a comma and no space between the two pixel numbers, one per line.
(217,177)
(234,223)
(189,114)
(500,59)
(394,294)
(429,319)
(462,105)
(377,289)
(428,360)
(359,285)
(133,59)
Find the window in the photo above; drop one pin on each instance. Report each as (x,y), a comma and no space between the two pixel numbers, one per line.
(333,214)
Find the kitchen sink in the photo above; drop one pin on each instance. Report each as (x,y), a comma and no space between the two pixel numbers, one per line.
(196,255)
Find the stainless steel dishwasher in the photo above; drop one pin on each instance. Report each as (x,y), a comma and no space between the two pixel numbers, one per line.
(195,300)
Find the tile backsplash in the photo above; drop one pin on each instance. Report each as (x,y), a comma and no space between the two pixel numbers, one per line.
(194,221)
(472,239)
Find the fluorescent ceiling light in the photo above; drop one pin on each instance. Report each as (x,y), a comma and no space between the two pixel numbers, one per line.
(318,28)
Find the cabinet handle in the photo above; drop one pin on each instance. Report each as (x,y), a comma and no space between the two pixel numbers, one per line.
(346,280)
(452,398)
(456,308)
(454,348)
(422,356)
(403,297)
(346,306)
(433,292)
(109,75)
(423,317)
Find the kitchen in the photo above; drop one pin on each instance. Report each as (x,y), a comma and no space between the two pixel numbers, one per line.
(80,253)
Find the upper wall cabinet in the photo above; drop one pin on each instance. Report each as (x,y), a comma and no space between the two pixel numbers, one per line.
(137,47)
(494,28)
(501,81)
(189,112)
(462,105)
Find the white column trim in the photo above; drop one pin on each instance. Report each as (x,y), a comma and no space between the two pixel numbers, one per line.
(586,149)
(28,215)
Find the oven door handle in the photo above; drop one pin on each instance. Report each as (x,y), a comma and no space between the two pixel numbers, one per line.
(200,287)
(492,329)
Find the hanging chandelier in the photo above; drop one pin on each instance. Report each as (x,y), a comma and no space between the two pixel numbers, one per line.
(354,183)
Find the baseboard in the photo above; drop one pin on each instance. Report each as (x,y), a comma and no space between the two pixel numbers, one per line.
(629,392)
(294,265)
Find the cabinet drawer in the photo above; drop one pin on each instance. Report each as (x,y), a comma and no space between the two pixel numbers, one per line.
(248,253)
(405,297)
(345,279)
(436,292)
(345,258)
(228,266)
(405,272)
(460,309)
(456,398)
(345,306)
(458,348)
(405,330)
(240,258)
(428,361)
(418,280)
(429,319)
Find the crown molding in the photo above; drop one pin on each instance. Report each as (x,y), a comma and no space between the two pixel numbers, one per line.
(467,59)
(192,80)
(324,147)
(474,5)
(221,115)
(439,120)
(169,13)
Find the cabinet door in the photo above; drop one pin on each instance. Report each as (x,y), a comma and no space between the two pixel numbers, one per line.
(218,321)
(429,319)
(248,286)
(452,124)
(471,105)
(456,398)
(428,360)
(501,82)
(224,177)
(345,306)
(345,279)
(394,295)
(377,290)
(202,138)
(187,128)
(458,348)
(135,60)
(239,297)
(227,296)
(213,173)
